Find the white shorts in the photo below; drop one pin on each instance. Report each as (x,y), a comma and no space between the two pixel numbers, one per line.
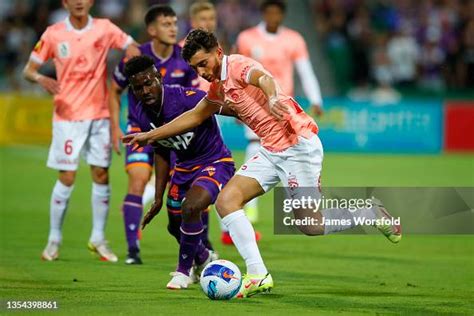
(71,138)
(298,166)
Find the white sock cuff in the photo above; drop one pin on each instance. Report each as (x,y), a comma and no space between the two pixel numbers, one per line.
(100,189)
(226,220)
(62,190)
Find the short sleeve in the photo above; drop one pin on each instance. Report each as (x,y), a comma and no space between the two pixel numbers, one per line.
(43,50)
(118,38)
(240,71)
(300,50)
(119,75)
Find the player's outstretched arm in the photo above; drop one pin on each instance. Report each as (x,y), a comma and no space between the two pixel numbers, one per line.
(268,85)
(183,123)
(114,107)
(30,72)
(162,167)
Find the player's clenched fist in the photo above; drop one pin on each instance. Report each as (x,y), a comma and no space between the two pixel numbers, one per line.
(277,108)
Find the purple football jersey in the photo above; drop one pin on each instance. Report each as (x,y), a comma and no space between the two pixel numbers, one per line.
(174,71)
(203,144)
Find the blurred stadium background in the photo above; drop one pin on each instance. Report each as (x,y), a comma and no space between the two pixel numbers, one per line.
(391,118)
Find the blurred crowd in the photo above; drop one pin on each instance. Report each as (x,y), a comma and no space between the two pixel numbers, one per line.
(382,43)
(427,44)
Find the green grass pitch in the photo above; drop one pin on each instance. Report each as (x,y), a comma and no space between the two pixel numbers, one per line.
(337,274)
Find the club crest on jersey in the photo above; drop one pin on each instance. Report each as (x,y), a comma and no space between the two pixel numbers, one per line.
(292,182)
(64,50)
(163,72)
(257,53)
(210,171)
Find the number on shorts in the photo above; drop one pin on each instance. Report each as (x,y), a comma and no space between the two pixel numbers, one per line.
(68,147)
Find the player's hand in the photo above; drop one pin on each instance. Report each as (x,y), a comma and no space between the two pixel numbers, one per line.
(277,108)
(116,135)
(136,140)
(132,51)
(154,210)
(49,84)
(317,110)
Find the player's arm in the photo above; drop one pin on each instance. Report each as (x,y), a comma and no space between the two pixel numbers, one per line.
(162,167)
(183,123)
(114,107)
(30,73)
(310,84)
(268,85)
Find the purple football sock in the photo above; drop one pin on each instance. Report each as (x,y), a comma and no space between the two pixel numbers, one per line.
(132,214)
(189,245)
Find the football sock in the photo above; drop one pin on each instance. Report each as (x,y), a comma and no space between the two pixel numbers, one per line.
(347,218)
(100,210)
(190,243)
(243,236)
(58,205)
(132,214)
(148,194)
(205,232)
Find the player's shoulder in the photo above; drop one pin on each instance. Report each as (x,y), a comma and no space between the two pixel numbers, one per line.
(55,28)
(102,22)
(290,33)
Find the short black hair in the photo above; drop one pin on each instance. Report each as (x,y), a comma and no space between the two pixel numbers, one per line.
(279,3)
(158,10)
(137,64)
(198,39)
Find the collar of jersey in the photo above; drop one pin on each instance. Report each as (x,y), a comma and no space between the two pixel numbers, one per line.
(224,68)
(70,27)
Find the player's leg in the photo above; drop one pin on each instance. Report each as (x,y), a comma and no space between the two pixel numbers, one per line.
(253,146)
(204,188)
(98,155)
(67,142)
(149,192)
(132,207)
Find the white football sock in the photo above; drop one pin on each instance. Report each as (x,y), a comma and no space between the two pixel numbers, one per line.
(149,194)
(347,216)
(100,210)
(221,223)
(58,205)
(252,203)
(243,236)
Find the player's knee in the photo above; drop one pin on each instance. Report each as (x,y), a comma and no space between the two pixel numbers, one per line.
(100,175)
(191,210)
(227,202)
(67,177)
(136,184)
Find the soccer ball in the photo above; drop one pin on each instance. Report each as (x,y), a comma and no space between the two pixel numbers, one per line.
(221,280)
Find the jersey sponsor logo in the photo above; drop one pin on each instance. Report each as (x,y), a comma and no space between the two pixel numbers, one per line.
(210,171)
(179,142)
(190,92)
(64,50)
(177,73)
(38,46)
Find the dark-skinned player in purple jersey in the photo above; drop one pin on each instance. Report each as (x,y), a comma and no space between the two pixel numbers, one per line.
(203,163)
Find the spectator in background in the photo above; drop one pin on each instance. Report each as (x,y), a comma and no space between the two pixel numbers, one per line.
(403,57)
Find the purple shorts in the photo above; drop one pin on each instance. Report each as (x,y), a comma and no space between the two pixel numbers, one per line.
(212,177)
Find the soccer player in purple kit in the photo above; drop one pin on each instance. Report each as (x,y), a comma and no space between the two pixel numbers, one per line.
(161,24)
(203,163)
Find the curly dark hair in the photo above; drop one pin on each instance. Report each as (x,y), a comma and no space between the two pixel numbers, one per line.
(196,40)
(138,64)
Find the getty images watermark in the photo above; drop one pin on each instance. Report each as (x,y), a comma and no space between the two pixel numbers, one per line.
(422,210)
(315,204)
